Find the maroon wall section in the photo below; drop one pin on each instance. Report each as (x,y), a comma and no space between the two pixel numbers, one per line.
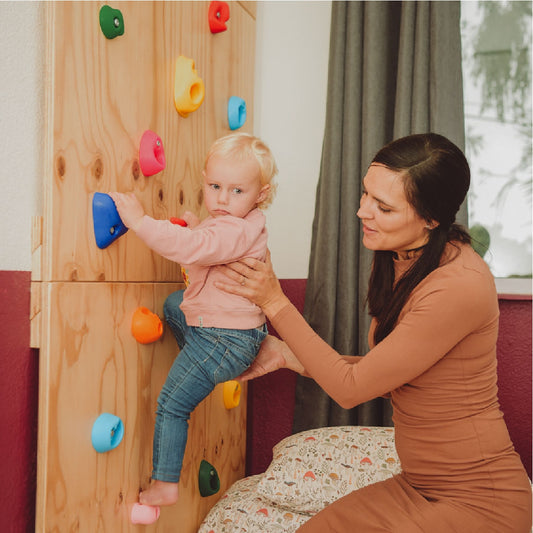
(271,398)
(514,373)
(18,405)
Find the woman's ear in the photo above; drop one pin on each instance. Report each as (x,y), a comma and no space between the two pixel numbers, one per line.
(431,224)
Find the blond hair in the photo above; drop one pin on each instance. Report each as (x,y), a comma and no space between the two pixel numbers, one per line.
(241,146)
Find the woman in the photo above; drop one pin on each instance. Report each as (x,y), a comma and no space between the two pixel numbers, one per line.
(433,350)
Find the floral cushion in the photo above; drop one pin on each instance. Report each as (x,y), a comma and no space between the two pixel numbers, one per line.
(242,509)
(314,468)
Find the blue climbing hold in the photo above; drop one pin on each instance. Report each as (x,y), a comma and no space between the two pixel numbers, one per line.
(236,112)
(108,226)
(107,432)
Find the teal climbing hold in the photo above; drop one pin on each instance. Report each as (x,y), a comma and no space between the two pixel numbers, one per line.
(107,432)
(236,112)
(111,22)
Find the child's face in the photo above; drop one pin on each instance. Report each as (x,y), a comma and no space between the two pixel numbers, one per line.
(232,187)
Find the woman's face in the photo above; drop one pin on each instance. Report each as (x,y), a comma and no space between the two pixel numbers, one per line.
(389,220)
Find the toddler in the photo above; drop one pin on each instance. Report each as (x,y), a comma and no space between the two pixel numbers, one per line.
(219,334)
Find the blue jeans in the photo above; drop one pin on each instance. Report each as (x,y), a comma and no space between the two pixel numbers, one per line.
(208,356)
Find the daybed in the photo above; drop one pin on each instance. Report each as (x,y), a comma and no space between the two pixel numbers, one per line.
(309,470)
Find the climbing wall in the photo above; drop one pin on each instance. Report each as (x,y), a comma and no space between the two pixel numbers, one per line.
(102,94)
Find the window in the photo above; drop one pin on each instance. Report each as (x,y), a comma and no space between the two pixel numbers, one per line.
(496,41)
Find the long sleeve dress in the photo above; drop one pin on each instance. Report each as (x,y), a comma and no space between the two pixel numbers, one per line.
(460,472)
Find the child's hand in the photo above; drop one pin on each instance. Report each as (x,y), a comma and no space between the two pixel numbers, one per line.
(191,219)
(129,208)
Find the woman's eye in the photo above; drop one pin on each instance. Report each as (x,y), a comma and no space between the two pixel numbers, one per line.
(383,209)
(215,186)
(237,191)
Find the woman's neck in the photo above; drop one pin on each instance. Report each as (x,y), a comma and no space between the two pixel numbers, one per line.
(410,254)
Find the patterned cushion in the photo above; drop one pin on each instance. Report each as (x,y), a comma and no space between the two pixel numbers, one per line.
(314,468)
(242,509)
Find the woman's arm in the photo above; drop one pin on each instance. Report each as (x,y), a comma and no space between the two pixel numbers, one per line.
(454,300)
(257,281)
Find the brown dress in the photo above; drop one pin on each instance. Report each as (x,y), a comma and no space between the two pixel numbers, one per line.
(460,472)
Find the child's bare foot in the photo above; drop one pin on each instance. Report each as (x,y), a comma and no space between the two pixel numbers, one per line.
(160,493)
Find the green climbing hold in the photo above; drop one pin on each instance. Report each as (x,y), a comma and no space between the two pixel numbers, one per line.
(111,22)
(208,481)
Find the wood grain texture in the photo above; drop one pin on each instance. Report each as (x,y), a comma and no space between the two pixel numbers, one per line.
(95,367)
(102,95)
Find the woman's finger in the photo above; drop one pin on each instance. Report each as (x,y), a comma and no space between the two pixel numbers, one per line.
(233,288)
(230,272)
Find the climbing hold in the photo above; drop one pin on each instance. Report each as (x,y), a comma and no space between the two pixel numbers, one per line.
(218,16)
(111,22)
(232,394)
(107,432)
(108,226)
(236,112)
(189,90)
(178,221)
(146,326)
(144,514)
(151,154)
(208,481)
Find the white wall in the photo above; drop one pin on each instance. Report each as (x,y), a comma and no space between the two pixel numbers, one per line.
(21,126)
(290,100)
(291,72)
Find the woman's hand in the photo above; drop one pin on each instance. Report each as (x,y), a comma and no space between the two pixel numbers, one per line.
(256,281)
(273,355)
(129,209)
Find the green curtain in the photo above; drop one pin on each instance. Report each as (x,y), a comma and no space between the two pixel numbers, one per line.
(394,69)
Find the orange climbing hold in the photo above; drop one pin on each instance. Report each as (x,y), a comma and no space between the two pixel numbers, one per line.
(146,326)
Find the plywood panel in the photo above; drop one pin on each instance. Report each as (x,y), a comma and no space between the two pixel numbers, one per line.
(102,95)
(91,364)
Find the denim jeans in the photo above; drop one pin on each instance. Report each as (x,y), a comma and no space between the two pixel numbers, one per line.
(208,356)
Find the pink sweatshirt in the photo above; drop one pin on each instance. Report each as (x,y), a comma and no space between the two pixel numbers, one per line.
(215,241)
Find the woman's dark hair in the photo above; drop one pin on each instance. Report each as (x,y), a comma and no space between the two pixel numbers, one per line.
(436,178)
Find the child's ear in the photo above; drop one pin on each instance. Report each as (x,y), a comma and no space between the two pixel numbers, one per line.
(263,193)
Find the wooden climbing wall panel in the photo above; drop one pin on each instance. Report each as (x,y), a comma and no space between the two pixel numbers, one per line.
(101,96)
(104,95)
(94,366)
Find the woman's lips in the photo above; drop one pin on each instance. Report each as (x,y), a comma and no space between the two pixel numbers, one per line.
(368,231)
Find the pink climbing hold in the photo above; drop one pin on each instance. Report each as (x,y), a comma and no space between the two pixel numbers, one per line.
(144,514)
(151,154)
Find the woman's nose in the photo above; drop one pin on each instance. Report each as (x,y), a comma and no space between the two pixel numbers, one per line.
(363,211)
